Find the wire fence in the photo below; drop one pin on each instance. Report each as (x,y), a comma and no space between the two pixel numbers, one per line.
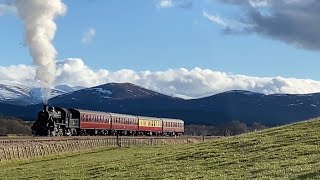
(12,150)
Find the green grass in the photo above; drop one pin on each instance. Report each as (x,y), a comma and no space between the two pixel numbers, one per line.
(288,152)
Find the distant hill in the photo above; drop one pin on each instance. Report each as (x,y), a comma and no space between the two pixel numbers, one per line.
(244,106)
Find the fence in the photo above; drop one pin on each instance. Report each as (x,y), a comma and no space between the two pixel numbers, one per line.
(10,150)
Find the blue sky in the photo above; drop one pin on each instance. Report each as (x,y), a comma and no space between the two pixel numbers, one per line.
(141,35)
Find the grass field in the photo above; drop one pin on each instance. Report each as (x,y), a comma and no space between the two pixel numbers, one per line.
(288,152)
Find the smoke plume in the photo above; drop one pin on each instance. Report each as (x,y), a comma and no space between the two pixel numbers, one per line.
(40,28)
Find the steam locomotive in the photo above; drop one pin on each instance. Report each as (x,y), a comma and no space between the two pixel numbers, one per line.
(57,121)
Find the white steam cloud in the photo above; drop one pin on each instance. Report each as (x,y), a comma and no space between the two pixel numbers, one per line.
(193,83)
(38,17)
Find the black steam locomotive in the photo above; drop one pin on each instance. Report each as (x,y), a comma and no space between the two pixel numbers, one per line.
(55,121)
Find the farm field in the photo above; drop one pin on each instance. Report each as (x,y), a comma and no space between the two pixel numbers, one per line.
(287,152)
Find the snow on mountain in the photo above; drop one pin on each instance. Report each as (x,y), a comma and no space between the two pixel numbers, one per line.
(20,94)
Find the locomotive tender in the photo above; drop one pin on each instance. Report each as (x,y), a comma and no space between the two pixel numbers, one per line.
(57,121)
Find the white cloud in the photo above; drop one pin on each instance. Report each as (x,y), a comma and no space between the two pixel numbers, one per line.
(165,3)
(181,82)
(184,4)
(19,73)
(259,3)
(215,19)
(7,9)
(88,36)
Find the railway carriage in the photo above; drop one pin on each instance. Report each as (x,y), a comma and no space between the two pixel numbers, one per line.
(124,124)
(150,125)
(92,122)
(172,126)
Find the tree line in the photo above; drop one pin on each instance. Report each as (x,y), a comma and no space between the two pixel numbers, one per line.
(14,126)
(228,129)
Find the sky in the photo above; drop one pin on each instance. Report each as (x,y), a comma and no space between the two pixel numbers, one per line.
(186,48)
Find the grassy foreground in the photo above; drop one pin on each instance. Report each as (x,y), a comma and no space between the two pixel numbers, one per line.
(288,152)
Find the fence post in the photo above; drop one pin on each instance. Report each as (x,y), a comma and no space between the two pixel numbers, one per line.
(119,143)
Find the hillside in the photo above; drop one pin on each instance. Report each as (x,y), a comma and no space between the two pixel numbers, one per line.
(288,152)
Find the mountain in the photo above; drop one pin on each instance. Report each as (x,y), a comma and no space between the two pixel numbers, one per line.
(113,97)
(19,94)
(245,106)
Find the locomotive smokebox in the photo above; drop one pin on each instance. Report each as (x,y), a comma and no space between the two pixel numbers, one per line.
(45,107)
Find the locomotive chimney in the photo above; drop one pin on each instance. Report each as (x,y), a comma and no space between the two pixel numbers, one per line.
(45,107)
